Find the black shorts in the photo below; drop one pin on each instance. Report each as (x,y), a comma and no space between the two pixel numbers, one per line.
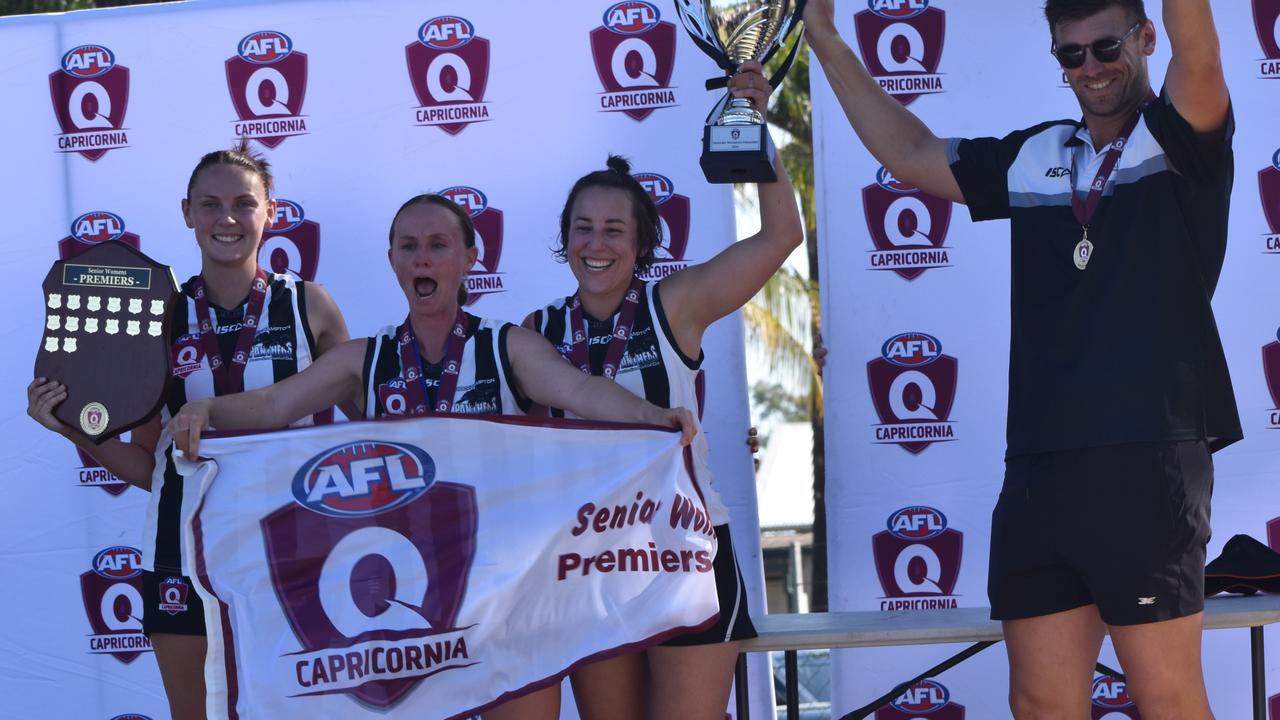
(735,621)
(170,605)
(1123,527)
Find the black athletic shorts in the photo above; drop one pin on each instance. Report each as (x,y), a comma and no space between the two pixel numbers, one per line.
(170,605)
(735,621)
(1123,527)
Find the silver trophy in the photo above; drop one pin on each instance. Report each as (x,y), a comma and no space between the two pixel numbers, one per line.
(736,147)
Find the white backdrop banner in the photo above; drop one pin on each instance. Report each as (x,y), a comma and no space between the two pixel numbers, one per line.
(431,567)
(916,314)
(501,105)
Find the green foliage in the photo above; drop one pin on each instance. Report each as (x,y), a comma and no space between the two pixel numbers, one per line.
(35,7)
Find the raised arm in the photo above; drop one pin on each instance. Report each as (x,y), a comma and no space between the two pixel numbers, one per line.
(332,379)
(544,377)
(893,134)
(701,294)
(132,462)
(1195,81)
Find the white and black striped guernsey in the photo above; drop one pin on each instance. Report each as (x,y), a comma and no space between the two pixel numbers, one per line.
(282,346)
(484,386)
(652,367)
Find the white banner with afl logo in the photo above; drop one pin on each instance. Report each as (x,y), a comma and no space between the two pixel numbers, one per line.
(916,316)
(430,567)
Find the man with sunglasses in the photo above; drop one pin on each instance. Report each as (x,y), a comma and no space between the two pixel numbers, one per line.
(1104,516)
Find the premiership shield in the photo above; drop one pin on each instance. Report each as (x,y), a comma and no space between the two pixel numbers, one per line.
(303,546)
(106,337)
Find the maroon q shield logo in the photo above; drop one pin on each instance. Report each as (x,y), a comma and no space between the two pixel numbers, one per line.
(1271,369)
(907,226)
(913,386)
(635,55)
(925,700)
(1266,20)
(485,279)
(901,44)
(94,475)
(292,245)
(112,595)
(449,71)
(676,213)
(92,228)
(90,95)
(917,556)
(1269,193)
(373,549)
(267,80)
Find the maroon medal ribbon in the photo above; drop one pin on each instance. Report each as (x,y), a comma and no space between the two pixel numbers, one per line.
(415,376)
(1085,209)
(578,353)
(228,378)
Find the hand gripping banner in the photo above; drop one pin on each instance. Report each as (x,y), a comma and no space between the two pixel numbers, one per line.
(433,567)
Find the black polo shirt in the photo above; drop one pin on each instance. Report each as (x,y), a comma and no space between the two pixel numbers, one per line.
(1126,350)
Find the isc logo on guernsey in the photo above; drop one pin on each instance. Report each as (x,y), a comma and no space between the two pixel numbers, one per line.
(363,478)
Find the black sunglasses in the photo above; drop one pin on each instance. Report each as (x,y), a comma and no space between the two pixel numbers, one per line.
(1105,50)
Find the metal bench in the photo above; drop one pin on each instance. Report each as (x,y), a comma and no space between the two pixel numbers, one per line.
(789,633)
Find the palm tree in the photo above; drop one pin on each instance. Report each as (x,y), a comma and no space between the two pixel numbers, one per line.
(770,315)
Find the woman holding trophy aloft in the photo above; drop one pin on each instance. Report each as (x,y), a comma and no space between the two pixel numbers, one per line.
(650,342)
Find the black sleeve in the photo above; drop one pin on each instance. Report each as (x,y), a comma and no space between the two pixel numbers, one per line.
(981,168)
(1204,158)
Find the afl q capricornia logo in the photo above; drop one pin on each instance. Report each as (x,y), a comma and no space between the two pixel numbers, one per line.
(90,94)
(267,79)
(449,71)
(675,212)
(900,42)
(635,55)
(913,387)
(917,559)
(112,593)
(907,226)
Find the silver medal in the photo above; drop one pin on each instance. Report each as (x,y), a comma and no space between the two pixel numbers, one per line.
(1083,251)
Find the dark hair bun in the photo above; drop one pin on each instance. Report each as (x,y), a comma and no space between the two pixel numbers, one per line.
(619,164)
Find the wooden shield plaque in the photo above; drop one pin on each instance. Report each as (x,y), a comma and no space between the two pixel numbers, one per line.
(106,336)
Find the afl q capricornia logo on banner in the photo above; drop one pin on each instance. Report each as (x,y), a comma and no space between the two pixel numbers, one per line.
(484,278)
(449,72)
(635,55)
(913,386)
(375,599)
(291,246)
(112,594)
(907,227)
(1266,20)
(901,45)
(267,80)
(925,700)
(90,94)
(675,213)
(917,559)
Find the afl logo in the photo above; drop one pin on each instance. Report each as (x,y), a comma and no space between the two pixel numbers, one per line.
(265,47)
(131,716)
(925,696)
(118,563)
(1109,692)
(660,187)
(911,349)
(887,181)
(471,199)
(1275,160)
(918,522)
(897,9)
(88,61)
(447,32)
(363,478)
(97,226)
(631,17)
(289,215)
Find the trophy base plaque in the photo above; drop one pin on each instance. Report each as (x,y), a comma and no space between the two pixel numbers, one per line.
(737,154)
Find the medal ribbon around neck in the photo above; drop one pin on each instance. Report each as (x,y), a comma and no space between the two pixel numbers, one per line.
(413,370)
(578,354)
(228,378)
(1085,209)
